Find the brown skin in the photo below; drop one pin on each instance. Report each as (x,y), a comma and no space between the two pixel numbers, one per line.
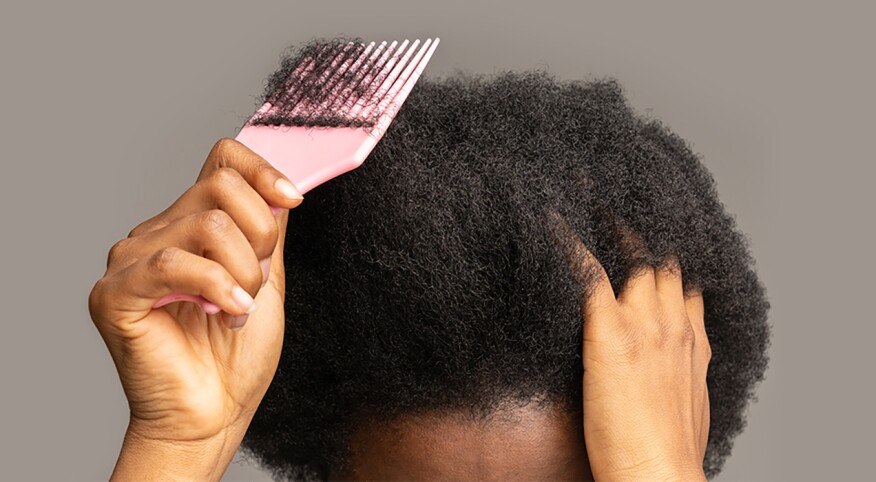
(518,443)
(193,383)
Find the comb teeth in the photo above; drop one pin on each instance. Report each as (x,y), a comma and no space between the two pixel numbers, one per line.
(343,83)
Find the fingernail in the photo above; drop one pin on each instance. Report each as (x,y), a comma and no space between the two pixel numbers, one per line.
(243,299)
(236,322)
(266,269)
(210,308)
(288,191)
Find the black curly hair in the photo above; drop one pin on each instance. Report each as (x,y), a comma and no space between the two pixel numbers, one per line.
(428,279)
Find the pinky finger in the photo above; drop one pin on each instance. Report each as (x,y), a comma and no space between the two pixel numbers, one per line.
(132,292)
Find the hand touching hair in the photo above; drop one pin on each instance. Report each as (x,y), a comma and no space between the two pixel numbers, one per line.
(645,356)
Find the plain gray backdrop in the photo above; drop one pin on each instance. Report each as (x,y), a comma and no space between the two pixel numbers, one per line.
(109,109)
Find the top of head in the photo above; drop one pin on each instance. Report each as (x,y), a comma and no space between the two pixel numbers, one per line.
(343,83)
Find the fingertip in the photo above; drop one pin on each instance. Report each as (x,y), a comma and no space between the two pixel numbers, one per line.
(291,196)
(210,308)
(243,299)
(693,292)
(236,322)
(265,265)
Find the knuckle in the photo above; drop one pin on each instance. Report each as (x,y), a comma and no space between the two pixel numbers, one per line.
(223,147)
(265,234)
(214,222)
(252,279)
(118,250)
(663,331)
(663,328)
(686,335)
(629,343)
(164,260)
(95,298)
(706,349)
(632,349)
(260,167)
(223,183)
(672,330)
(224,177)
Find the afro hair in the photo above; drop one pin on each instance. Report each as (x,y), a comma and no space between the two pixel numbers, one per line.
(427,279)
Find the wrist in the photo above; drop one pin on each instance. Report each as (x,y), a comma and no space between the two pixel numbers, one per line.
(148,456)
(656,471)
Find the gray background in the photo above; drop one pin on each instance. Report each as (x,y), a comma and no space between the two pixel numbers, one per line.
(108,112)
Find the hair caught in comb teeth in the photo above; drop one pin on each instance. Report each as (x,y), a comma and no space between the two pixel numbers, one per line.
(329,83)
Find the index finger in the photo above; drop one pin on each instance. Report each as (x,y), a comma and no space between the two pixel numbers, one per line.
(599,296)
(270,183)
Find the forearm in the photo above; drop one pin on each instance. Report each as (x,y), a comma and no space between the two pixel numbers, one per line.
(143,458)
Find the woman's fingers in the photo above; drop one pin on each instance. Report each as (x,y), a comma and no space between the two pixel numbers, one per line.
(695,309)
(270,183)
(226,217)
(208,235)
(228,191)
(600,295)
(669,283)
(641,287)
(129,294)
(212,234)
